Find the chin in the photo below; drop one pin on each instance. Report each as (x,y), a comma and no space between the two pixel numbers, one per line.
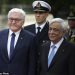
(14,30)
(39,22)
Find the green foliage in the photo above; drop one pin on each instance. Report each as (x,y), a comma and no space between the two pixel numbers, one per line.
(59,7)
(21,1)
(72,39)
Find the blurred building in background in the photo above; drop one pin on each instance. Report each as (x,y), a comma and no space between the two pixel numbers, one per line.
(60,8)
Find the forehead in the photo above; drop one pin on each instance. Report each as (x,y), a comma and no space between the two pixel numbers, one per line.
(55,25)
(15,14)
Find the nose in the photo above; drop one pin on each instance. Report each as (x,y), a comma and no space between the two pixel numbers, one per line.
(37,14)
(51,31)
(13,21)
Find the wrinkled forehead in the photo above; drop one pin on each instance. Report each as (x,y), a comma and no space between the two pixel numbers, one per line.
(55,25)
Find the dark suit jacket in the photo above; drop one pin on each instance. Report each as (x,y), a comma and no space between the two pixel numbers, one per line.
(22,61)
(63,62)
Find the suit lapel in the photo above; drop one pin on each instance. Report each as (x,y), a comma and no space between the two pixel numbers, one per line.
(59,53)
(19,41)
(47,48)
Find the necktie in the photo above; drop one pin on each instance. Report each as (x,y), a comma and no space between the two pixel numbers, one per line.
(38,28)
(50,57)
(12,43)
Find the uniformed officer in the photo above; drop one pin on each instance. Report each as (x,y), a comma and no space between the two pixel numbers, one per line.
(40,28)
(71,23)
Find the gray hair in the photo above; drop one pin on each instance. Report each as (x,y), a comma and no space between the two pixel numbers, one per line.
(18,10)
(59,20)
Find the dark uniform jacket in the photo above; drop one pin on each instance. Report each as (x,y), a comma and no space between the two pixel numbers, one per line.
(40,38)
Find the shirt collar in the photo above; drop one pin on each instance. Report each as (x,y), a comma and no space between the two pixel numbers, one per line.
(10,32)
(41,26)
(58,43)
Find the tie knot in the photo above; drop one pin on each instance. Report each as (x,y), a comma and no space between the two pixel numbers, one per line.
(38,28)
(13,34)
(53,46)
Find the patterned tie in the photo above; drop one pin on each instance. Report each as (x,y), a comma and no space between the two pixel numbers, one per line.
(50,57)
(12,43)
(38,28)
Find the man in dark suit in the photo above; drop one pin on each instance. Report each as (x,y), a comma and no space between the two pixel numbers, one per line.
(61,59)
(20,60)
(40,28)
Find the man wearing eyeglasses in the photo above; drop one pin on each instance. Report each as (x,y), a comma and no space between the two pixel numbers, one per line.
(17,56)
(40,28)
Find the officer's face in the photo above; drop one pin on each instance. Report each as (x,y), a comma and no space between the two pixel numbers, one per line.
(41,16)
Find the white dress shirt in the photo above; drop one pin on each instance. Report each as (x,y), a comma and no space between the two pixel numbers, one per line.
(57,46)
(41,26)
(9,40)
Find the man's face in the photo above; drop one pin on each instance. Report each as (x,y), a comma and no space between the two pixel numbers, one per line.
(71,24)
(15,21)
(40,16)
(55,32)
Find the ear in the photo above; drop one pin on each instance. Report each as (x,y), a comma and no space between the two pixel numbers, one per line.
(23,22)
(47,14)
(64,32)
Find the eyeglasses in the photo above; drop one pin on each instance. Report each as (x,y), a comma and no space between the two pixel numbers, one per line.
(39,12)
(15,19)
